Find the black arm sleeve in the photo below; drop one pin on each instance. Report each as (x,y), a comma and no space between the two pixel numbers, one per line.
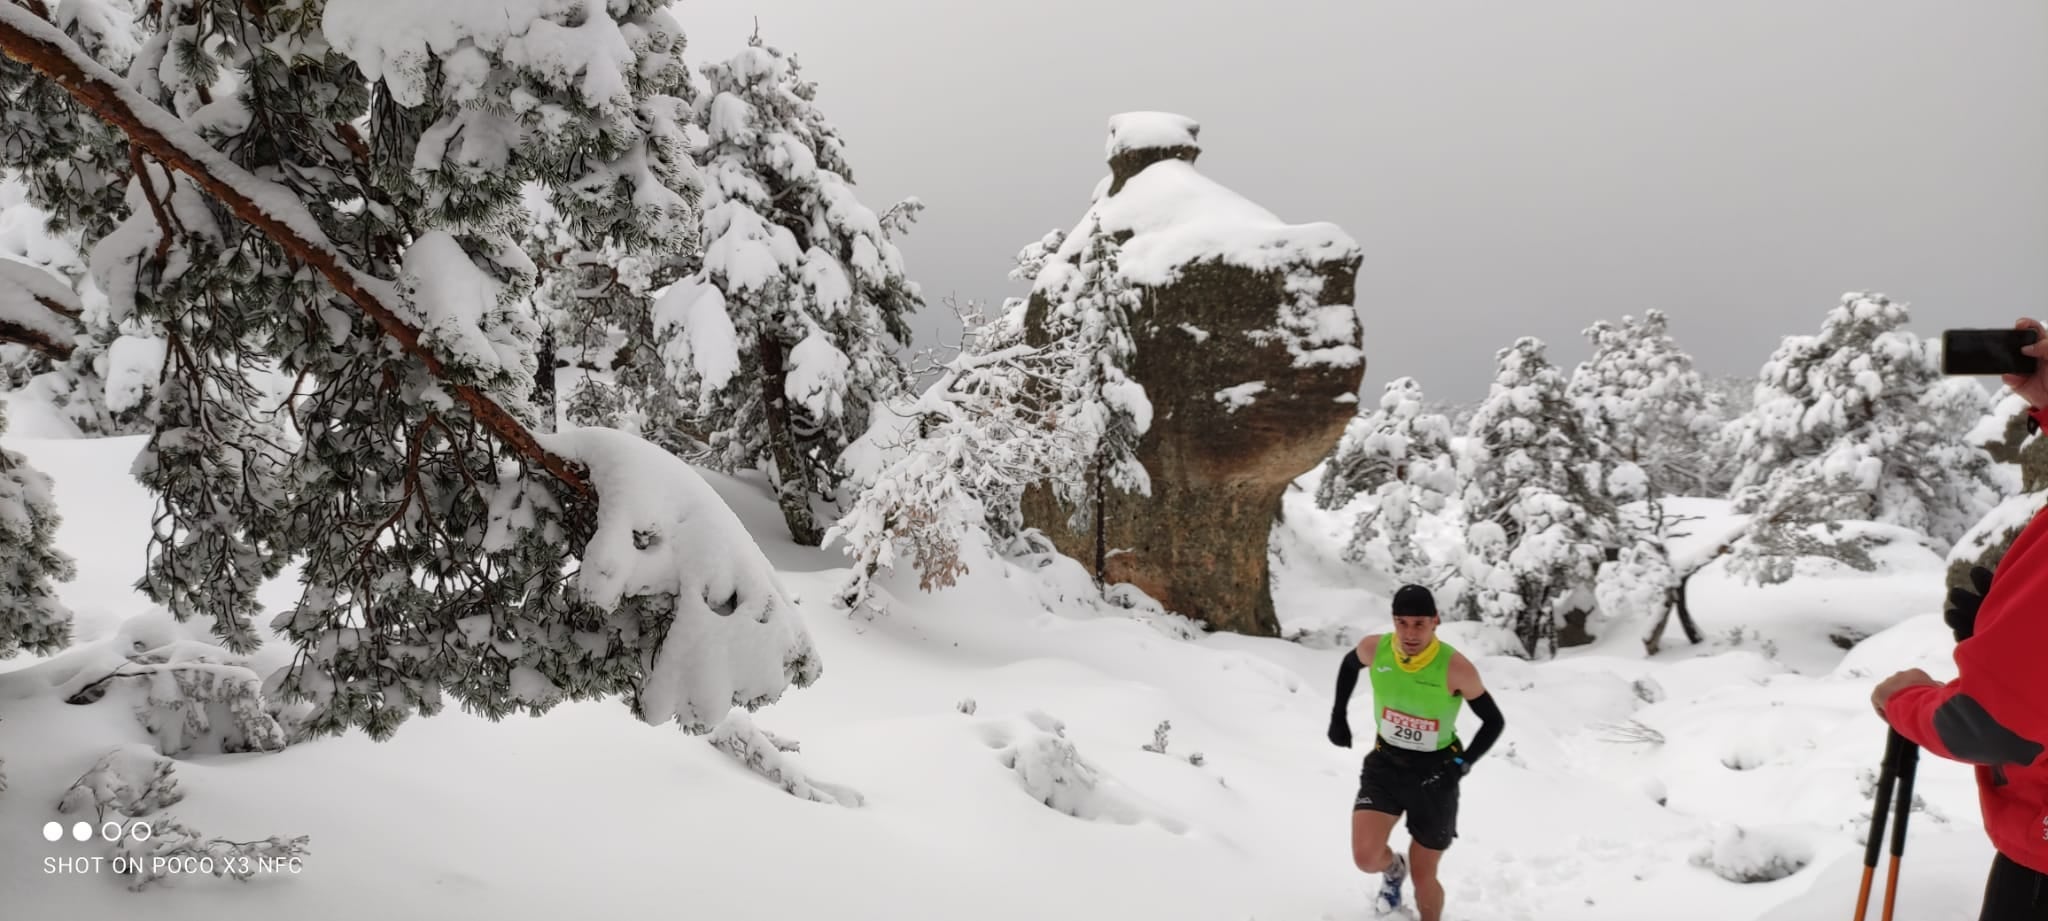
(1347,681)
(1492,722)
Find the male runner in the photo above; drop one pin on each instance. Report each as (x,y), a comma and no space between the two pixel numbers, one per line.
(1418,684)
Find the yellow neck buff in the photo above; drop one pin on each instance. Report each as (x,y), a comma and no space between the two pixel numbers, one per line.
(1418,661)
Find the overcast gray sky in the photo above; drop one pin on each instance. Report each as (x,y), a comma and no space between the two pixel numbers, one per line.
(1508,168)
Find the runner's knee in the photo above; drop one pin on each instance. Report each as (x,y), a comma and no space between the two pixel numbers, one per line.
(1372,859)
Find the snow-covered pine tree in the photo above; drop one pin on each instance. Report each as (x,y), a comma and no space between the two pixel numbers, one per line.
(31,617)
(605,331)
(1648,422)
(1089,317)
(1400,454)
(984,431)
(1856,424)
(319,195)
(790,332)
(1537,528)
(1643,406)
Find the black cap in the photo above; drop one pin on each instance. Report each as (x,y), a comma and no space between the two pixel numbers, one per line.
(1414,601)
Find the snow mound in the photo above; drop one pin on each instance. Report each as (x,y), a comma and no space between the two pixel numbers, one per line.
(1151,131)
(1051,769)
(1755,855)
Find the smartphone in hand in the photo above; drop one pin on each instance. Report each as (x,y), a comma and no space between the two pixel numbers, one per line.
(1987,351)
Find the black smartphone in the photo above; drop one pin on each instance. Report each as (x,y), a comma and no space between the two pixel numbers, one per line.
(1987,351)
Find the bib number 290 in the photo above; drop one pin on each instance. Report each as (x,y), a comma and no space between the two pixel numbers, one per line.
(1406,730)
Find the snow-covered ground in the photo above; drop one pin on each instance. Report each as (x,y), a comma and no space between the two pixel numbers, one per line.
(981,753)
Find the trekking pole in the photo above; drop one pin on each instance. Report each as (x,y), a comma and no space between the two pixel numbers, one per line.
(1887,774)
(1909,765)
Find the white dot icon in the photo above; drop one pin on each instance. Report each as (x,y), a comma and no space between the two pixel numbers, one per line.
(53,832)
(82,831)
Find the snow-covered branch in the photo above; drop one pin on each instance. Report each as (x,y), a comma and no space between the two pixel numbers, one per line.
(135,782)
(268,207)
(37,309)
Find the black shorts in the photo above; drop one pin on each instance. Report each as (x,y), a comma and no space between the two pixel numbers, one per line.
(1391,781)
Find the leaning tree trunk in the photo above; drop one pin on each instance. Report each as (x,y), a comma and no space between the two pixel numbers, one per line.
(1676,604)
(792,476)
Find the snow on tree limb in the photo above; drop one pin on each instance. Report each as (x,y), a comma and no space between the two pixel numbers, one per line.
(733,637)
(37,309)
(263,204)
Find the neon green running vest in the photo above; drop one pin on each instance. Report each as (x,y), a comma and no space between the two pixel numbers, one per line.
(1416,709)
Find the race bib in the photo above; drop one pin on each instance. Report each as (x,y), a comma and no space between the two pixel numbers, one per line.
(1402,730)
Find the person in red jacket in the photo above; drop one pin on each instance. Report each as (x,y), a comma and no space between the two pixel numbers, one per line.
(1995,714)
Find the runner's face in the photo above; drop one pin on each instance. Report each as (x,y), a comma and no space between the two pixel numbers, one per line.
(1414,633)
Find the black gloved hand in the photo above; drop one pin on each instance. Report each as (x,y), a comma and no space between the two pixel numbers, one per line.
(1452,771)
(1963,604)
(1340,733)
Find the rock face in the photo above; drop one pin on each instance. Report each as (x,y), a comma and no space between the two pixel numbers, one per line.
(1248,349)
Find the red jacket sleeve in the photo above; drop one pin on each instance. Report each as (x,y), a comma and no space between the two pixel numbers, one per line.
(1949,721)
(1911,712)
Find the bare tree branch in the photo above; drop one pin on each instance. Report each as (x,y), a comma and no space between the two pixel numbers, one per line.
(279,215)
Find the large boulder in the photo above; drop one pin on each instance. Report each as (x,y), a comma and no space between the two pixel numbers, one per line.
(1248,348)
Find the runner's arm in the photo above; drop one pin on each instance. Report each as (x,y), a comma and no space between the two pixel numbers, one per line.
(1347,681)
(1491,723)
(1464,680)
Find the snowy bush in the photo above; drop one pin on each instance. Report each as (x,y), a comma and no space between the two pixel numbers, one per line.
(136,783)
(132,780)
(763,753)
(1640,584)
(1857,424)
(193,697)
(1052,771)
(1159,732)
(1754,855)
(1631,732)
